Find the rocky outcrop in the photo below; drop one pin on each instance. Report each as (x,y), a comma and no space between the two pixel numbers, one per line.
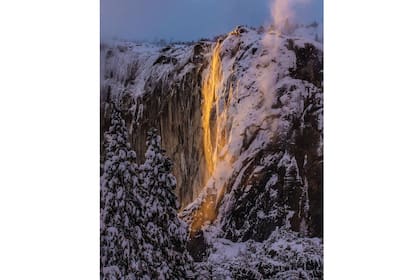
(280,185)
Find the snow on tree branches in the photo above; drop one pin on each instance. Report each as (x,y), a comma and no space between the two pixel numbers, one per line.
(164,230)
(141,234)
(121,207)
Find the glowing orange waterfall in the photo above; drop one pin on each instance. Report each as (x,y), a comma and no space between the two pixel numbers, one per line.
(207,210)
(209,95)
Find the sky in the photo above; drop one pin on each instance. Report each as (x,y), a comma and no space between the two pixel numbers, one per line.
(187,20)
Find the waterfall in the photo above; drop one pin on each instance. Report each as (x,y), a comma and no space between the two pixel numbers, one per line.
(211,85)
(209,91)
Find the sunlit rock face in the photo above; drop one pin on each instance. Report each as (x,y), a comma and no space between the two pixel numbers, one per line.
(242,120)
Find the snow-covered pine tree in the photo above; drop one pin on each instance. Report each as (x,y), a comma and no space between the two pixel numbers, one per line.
(165,232)
(121,227)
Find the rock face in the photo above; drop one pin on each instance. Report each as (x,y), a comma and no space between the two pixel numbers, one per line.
(160,88)
(264,126)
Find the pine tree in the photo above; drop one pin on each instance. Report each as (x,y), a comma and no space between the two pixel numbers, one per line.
(121,207)
(165,232)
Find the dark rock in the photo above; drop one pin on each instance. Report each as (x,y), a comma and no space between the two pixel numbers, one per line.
(309,63)
(198,247)
(165,60)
